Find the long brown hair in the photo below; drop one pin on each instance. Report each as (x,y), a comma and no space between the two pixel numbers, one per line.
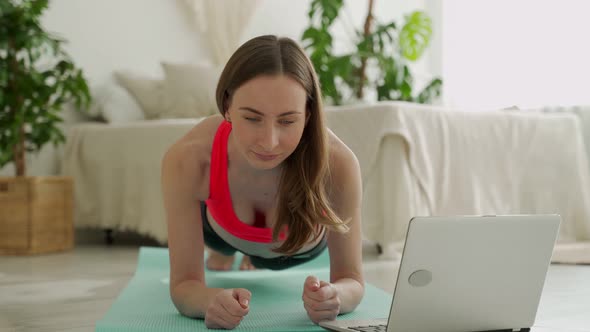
(303,200)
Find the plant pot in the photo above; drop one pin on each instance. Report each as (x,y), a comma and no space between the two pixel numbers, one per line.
(36,215)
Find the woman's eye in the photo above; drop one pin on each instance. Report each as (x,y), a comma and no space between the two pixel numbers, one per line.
(286,122)
(252,119)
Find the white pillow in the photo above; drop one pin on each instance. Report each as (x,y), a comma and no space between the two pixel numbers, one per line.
(189,90)
(115,105)
(148,92)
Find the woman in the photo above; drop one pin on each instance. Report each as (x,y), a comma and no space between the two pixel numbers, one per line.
(268,179)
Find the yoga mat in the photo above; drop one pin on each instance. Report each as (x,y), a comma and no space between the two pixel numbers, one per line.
(145,304)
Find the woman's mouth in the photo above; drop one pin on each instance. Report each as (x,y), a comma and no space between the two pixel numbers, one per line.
(265,157)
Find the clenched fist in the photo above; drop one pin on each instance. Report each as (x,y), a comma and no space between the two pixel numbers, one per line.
(320,299)
(228,308)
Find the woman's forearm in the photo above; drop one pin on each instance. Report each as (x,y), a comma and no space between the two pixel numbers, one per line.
(192,298)
(351,293)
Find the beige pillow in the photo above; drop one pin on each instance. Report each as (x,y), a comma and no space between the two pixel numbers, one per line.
(117,105)
(148,92)
(189,90)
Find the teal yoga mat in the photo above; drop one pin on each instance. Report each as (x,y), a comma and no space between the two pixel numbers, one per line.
(145,304)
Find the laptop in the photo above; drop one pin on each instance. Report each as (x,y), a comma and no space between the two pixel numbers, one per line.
(467,273)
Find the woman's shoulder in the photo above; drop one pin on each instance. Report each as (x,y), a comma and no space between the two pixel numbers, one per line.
(189,157)
(341,156)
(197,141)
(204,131)
(344,179)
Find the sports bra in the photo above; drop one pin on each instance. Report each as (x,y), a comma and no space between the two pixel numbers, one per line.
(219,202)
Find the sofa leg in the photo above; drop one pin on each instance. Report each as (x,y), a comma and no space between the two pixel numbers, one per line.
(108,236)
(379,248)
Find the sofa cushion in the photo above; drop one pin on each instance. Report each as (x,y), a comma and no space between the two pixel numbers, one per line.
(189,90)
(148,92)
(114,104)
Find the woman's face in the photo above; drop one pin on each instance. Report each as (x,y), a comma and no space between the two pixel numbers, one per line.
(268,115)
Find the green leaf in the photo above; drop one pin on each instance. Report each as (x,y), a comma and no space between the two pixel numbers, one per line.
(310,33)
(331,8)
(406,84)
(324,11)
(415,35)
(37,7)
(386,32)
(431,91)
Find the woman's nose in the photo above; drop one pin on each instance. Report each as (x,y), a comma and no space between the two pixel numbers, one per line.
(269,138)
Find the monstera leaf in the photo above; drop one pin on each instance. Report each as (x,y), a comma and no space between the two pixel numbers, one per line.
(415,35)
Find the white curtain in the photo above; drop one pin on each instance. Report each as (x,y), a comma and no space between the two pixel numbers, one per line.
(221,24)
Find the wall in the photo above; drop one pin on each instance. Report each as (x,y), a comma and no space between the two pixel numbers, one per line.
(527,53)
(132,34)
(136,35)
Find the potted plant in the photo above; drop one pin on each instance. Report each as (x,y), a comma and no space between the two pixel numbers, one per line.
(380,59)
(37,80)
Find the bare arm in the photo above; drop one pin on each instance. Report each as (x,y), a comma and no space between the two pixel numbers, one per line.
(346,272)
(185,182)
(181,183)
(325,300)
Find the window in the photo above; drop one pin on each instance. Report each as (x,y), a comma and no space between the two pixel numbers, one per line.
(526,53)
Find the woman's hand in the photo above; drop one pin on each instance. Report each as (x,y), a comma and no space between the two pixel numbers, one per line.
(320,299)
(228,308)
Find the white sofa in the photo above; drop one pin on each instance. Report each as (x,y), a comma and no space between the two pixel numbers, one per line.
(415,160)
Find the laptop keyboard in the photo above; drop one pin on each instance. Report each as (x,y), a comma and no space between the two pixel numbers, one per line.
(372,328)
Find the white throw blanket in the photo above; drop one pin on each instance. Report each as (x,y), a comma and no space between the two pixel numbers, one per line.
(485,162)
(116,171)
(415,160)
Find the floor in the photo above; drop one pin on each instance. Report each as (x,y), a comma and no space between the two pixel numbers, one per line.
(70,291)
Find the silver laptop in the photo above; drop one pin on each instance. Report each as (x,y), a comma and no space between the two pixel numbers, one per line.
(468,273)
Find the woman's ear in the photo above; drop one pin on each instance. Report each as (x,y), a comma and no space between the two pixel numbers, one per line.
(226,104)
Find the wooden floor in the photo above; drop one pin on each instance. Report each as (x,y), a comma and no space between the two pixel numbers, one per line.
(71,291)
